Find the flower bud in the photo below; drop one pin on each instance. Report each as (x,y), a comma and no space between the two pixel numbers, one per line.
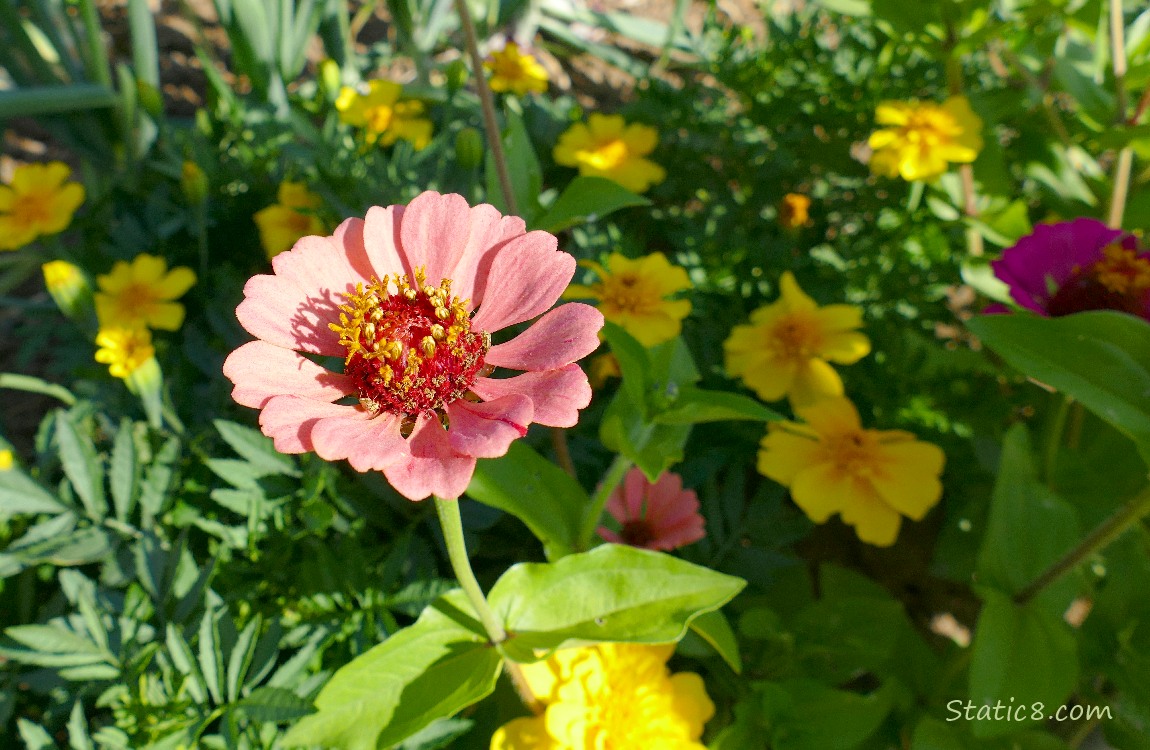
(194,183)
(457,75)
(469,148)
(69,288)
(150,99)
(330,78)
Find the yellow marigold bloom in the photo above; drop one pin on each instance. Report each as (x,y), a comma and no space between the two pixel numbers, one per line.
(383,116)
(794,211)
(610,696)
(39,201)
(124,349)
(292,217)
(608,147)
(923,137)
(633,293)
(784,350)
(871,478)
(7,460)
(141,293)
(513,71)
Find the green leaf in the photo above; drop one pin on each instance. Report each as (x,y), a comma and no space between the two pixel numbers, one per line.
(274,705)
(256,448)
(652,447)
(35,737)
(693,405)
(713,628)
(78,737)
(182,658)
(124,472)
(427,671)
(52,639)
(587,199)
(807,715)
(534,490)
(1029,526)
(1024,654)
(1099,358)
(241,657)
(612,593)
(19,494)
(634,362)
(81,465)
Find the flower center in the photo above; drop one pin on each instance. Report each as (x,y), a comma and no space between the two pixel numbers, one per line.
(32,209)
(795,337)
(930,128)
(851,452)
(1119,281)
(606,156)
(637,533)
(410,347)
(379,118)
(627,293)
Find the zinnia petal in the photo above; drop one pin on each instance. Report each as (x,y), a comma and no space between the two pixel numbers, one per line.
(288,421)
(260,371)
(556,395)
(433,467)
(527,277)
(560,337)
(487,429)
(367,441)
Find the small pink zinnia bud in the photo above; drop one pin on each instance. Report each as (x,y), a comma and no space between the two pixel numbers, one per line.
(408,298)
(659,516)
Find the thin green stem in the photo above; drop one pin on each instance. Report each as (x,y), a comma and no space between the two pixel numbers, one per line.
(611,480)
(1054,438)
(487,103)
(452,525)
(1099,539)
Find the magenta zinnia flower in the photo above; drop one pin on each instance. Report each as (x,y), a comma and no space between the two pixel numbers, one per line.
(659,516)
(1075,266)
(408,299)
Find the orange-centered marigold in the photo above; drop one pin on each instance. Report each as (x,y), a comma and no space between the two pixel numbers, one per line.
(608,147)
(39,201)
(635,294)
(921,138)
(785,349)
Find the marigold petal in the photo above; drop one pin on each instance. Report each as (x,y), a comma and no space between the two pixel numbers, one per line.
(691,701)
(15,234)
(571,142)
(792,295)
(32,178)
(63,206)
(177,282)
(874,521)
(166,316)
(845,348)
(260,371)
(892,113)
(820,491)
(7,198)
(528,733)
(784,454)
(148,269)
(433,467)
(527,276)
(606,127)
(814,381)
(906,476)
(770,379)
(832,416)
(640,139)
(556,395)
(561,336)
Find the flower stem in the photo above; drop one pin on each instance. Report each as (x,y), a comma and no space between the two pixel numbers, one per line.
(1126,156)
(452,524)
(487,103)
(1099,539)
(614,475)
(1054,438)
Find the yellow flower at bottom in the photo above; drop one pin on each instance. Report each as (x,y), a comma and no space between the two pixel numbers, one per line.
(608,147)
(924,137)
(633,293)
(871,478)
(511,70)
(39,201)
(142,293)
(383,116)
(124,350)
(610,696)
(784,350)
(7,460)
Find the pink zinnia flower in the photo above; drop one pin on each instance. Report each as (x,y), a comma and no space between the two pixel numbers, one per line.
(408,299)
(659,516)
(1075,266)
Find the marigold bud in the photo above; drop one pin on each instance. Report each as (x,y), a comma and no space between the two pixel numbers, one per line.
(469,149)
(193,183)
(69,288)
